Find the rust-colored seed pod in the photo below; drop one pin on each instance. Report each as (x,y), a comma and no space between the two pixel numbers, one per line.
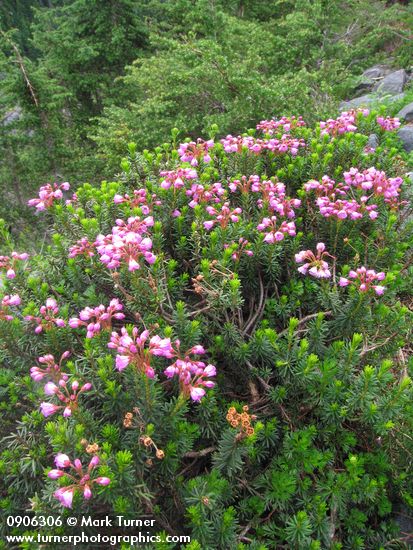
(92,449)
(160,454)
(245,408)
(250,431)
(146,440)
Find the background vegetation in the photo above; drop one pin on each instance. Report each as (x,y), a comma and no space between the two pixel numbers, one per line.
(81,78)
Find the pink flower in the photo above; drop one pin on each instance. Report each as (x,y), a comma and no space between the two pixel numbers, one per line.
(364,279)
(237,249)
(68,398)
(102,480)
(140,199)
(47,409)
(65,496)
(82,248)
(201,194)
(98,318)
(176,178)
(375,182)
(62,460)
(122,361)
(10,263)
(194,152)
(48,194)
(126,243)
(276,233)
(284,144)
(50,388)
(82,480)
(52,370)
(133,350)
(388,123)
(287,124)
(343,124)
(223,216)
(192,374)
(47,317)
(315,265)
(55,474)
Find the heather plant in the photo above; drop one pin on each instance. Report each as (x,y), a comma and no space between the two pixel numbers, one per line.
(219,340)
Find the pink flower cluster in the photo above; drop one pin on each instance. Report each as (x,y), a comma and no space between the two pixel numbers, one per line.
(9,263)
(138,350)
(222,216)
(7,302)
(47,317)
(51,369)
(274,232)
(286,123)
(176,178)
(68,397)
(375,181)
(192,374)
(237,249)
(275,199)
(140,200)
(364,279)
(126,243)
(133,350)
(98,318)
(388,123)
(82,248)
(195,152)
(346,122)
(329,205)
(82,480)
(342,209)
(285,144)
(48,194)
(245,185)
(201,194)
(314,265)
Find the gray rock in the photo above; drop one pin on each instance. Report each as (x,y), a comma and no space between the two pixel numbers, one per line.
(12,116)
(363,100)
(373,141)
(377,71)
(393,83)
(371,77)
(368,99)
(406,113)
(405,134)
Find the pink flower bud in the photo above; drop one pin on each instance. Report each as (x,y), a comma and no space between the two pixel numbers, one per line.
(94,462)
(55,474)
(62,460)
(47,409)
(102,480)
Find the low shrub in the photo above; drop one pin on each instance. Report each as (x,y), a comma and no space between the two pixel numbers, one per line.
(222,336)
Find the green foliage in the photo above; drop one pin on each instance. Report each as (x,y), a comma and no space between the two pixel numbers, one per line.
(84,78)
(304,440)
